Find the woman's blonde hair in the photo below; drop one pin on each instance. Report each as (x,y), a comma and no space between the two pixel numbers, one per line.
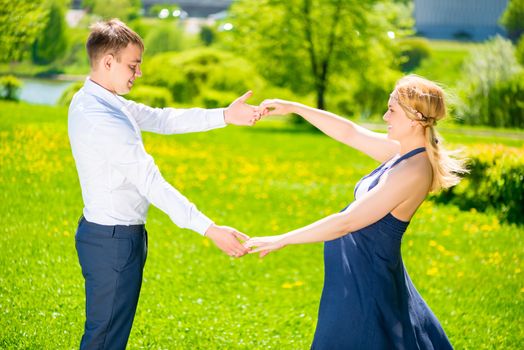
(424,101)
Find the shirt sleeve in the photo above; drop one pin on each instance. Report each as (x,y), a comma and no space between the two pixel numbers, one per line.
(125,152)
(174,121)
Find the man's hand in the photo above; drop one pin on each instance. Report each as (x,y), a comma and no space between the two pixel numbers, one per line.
(240,113)
(227,239)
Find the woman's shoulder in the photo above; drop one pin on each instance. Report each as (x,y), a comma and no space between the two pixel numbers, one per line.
(416,170)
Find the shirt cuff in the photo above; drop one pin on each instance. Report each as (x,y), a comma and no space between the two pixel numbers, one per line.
(200,223)
(215,118)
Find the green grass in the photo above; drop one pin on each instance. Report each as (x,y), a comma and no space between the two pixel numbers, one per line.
(467,265)
(445,63)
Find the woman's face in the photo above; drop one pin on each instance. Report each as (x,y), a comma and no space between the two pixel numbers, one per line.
(399,125)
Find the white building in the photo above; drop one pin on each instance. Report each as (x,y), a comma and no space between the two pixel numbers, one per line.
(459,19)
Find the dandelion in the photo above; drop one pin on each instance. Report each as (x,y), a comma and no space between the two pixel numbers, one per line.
(433,271)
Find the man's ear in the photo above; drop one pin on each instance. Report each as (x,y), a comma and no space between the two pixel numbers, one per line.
(107,61)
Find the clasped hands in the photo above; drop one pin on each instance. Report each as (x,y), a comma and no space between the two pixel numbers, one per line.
(237,244)
(241,113)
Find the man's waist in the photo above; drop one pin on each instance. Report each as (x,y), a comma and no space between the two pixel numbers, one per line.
(111,229)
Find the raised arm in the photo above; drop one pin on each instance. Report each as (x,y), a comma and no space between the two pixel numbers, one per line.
(374,144)
(178,120)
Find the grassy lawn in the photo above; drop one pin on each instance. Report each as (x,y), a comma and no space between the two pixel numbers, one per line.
(445,63)
(265,180)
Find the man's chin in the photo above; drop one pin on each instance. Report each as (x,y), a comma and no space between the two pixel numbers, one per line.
(123,92)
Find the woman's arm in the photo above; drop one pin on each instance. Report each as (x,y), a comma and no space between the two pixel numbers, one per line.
(395,188)
(374,144)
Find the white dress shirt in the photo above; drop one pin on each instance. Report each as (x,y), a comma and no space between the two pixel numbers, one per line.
(118,178)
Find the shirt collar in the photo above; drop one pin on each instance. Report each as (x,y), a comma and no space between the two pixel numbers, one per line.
(94,89)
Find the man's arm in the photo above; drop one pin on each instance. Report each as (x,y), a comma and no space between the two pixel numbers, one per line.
(178,121)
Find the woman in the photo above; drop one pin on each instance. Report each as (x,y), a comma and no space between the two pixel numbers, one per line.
(368,300)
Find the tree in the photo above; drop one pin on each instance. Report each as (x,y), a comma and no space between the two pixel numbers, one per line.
(20,23)
(306,44)
(52,42)
(513,19)
(165,36)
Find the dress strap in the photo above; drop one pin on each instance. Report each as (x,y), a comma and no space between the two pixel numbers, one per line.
(409,155)
(405,156)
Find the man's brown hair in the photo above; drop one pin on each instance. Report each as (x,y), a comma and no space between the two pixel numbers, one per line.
(110,37)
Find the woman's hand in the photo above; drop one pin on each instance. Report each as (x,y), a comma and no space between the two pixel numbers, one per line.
(264,245)
(276,107)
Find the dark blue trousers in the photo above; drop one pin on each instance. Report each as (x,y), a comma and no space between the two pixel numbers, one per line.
(112,260)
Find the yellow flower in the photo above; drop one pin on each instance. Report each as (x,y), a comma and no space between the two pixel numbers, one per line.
(432,243)
(432,271)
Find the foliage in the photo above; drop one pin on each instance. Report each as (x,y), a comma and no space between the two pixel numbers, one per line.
(51,43)
(303,44)
(264,180)
(487,75)
(151,95)
(189,74)
(207,35)
(413,51)
(166,36)
(125,10)
(494,183)
(20,23)
(519,51)
(9,88)
(512,19)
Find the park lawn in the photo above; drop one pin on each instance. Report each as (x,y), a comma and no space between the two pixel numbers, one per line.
(265,180)
(444,65)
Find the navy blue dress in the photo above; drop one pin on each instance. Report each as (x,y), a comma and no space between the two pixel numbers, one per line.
(368,300)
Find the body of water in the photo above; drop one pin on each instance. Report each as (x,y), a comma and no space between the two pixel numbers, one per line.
(42,91)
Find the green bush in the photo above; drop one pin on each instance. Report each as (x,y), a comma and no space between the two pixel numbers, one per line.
(512,18)
(412,52)
(495,183)
(151,95)
(52,42)
(215,99)
(489,91)
(9,88)
(189,74)
(506,102)
(164,37)
(519,51)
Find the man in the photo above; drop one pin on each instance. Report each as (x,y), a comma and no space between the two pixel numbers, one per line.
(119,180)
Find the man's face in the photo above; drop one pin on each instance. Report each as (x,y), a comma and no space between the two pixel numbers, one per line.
(125,69)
